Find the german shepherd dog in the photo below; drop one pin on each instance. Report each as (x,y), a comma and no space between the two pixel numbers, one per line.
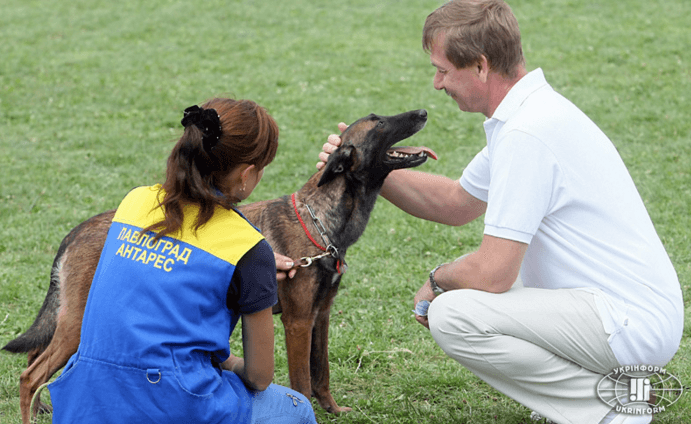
(318,224)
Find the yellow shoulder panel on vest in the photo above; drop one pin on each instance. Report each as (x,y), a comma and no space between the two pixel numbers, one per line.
(227,235)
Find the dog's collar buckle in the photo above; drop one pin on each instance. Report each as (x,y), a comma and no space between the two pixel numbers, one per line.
(332,250)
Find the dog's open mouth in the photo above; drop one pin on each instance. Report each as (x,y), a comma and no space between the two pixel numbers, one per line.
(408,157)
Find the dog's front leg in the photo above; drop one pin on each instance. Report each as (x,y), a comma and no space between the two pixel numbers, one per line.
(298,330)
(319,357)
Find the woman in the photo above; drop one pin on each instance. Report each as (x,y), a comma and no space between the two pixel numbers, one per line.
(179,267)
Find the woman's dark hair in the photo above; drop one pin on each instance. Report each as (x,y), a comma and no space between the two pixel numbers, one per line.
(197,169)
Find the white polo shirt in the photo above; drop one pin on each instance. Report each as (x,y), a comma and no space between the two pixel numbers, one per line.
(551,178)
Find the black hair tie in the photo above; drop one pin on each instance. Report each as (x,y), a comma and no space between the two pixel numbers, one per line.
(208,122)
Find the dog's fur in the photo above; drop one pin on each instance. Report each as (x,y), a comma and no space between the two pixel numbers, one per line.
(342,196)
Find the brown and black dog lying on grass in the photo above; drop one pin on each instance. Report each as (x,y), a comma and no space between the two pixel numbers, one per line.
(318,224)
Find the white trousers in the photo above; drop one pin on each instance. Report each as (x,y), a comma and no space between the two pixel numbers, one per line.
(546,349)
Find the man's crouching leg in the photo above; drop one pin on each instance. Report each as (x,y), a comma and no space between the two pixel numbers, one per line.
(546,349)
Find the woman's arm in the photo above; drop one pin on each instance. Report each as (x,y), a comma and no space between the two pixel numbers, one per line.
(257,368)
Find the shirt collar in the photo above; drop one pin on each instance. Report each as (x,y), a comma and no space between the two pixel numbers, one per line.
(530,83)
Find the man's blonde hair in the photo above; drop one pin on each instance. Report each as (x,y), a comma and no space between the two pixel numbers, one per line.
(474,28)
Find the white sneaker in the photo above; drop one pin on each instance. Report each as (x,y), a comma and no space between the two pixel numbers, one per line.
(534,416)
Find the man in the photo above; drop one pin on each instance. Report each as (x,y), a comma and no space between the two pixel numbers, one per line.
(561,210)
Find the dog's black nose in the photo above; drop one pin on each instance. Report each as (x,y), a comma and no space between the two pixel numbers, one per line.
(422,113)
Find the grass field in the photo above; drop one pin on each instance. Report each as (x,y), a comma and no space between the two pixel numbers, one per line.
(92,93)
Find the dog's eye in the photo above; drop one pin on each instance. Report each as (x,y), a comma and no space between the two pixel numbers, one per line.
(380,124)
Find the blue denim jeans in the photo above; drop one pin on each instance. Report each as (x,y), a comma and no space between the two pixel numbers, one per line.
(281,405)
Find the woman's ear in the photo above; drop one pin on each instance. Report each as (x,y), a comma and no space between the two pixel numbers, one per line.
(245,173)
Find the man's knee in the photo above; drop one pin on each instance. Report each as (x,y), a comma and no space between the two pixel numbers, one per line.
(456,313)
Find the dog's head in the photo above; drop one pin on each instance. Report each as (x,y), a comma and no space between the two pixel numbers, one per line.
(366,151)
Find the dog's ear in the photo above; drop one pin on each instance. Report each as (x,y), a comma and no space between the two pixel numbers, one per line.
(339,161)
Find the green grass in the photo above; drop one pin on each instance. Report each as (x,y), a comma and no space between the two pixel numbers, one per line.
(92,92)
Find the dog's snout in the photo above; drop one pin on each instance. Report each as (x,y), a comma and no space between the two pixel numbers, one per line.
(422,113)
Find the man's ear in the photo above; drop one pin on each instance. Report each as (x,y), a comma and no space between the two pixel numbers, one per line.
(482,68)
(339,162)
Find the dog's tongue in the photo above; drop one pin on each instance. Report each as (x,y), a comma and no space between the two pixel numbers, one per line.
(415,151)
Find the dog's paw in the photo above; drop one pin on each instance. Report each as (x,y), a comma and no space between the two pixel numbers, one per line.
(340,409)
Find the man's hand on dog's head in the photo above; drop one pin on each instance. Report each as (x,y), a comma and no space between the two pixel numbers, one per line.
(332,143)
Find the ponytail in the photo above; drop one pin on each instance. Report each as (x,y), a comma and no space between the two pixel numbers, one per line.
(218,136)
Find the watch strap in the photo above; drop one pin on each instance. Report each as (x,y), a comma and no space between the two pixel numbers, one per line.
(435,287)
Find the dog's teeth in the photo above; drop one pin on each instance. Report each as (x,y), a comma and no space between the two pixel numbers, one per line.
(399,155)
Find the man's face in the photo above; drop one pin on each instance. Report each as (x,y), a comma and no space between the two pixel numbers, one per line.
(462,85)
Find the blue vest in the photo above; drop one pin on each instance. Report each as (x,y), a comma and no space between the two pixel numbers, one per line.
(156,324)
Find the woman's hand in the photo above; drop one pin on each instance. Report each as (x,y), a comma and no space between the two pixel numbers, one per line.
(284,267)
(234,364)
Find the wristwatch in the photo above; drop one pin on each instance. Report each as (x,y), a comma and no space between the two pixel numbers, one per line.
(435,287)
